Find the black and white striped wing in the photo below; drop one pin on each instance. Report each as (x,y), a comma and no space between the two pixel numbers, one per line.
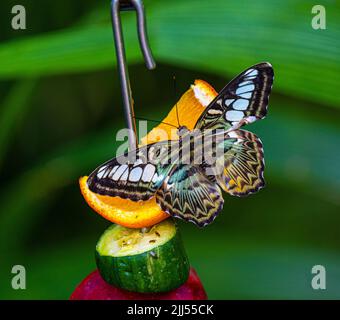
(136,175)
(241,101)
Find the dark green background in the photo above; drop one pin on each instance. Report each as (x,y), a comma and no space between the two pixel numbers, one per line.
(61,107)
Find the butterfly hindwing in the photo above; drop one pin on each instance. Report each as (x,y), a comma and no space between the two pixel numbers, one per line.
(136,175)
(241,101)
(242,164)
(188,194)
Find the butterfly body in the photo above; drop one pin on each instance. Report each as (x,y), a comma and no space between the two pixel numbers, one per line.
(187,175)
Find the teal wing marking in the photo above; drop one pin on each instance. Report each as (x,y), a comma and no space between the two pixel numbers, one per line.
(188,194)
(239,168)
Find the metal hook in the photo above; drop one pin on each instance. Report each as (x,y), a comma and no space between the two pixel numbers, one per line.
(116,7)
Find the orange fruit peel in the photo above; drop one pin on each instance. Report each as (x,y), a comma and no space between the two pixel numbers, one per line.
(125,212)
(190,106)
(142,214)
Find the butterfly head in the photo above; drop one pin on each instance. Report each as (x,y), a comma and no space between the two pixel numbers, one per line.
(182,130)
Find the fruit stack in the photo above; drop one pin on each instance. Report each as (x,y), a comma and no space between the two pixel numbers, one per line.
(141,256)
(147,263)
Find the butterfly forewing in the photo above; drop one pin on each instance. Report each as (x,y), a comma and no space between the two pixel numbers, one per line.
(241,101)
(136,175)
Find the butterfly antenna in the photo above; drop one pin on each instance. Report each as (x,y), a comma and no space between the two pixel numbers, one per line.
(157,121)
(175,93)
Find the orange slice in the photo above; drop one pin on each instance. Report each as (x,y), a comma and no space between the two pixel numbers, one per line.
(141,214)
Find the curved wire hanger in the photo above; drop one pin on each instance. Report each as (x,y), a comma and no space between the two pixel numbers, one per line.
(116,7)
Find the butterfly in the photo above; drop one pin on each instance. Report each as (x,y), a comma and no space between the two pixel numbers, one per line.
(170,171)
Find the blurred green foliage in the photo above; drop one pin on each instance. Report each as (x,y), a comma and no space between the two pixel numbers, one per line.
(61,107)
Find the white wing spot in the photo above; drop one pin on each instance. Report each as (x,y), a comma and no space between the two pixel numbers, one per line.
(119,172)
(101,172)
(229,102)
(246,95)
(135,174)
(241,104)
(233,115)
(247,88)
(251,119)
(113,170)
(251,72)
(248,71)
(244,83)
(103,168)
(214,111)
(124,176)
(149,171)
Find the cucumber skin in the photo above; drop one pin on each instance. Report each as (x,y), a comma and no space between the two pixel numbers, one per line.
(161,269)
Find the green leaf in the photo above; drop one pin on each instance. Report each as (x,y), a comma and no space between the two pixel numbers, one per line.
(240,269)
(13,111)
(223,38)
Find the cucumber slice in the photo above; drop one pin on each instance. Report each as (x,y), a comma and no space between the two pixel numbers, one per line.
(143,260)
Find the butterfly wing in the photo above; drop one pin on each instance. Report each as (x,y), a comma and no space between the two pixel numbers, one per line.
(136,175)
(188,194)
(185,191)
(242,164)
(241,101)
